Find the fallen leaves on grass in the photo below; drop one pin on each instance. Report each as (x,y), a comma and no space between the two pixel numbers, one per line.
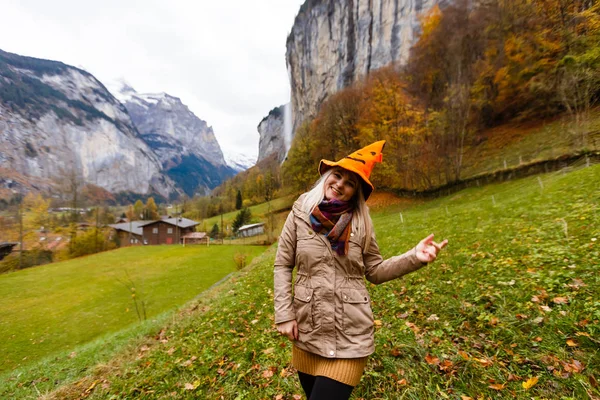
(192,386)
(497,386)
(485,362)
(413,327)
(573,366)
(395,352)
(431,360)
(529,383)
(268,373)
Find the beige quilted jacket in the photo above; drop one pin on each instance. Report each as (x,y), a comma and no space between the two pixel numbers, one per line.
(330,301)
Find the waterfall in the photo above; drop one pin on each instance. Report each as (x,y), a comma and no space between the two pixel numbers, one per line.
(287,118)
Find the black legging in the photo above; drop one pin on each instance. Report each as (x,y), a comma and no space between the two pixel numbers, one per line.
(324,388)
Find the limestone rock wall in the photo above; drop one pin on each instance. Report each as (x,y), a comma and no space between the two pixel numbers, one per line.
(333,43)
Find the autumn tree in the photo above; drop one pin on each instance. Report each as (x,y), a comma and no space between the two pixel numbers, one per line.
(138,210)
(388,112)
(151,210)
(579,71)
(300,169)
(131,213)
(37,215)
(335,129)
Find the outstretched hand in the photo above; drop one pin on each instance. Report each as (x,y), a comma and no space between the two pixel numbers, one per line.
(427,250)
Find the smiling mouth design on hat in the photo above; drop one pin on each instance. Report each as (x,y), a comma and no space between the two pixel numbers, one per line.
(356,159)
(360,162)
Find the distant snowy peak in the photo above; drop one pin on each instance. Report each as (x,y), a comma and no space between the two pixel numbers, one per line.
(239,162)
(127,94)
(120,89)
(185,144)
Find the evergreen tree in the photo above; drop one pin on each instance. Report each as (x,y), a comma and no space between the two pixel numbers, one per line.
(241,219)
(238,200)
(214,233)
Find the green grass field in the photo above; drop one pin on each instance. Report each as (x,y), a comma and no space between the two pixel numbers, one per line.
(511,309)
(58,307)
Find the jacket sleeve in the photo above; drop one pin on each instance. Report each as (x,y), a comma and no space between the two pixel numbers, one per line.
(378,270)
(284,265)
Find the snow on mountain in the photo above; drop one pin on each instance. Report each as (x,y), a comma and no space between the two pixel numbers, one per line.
(185,144)
(239,162)
(58,122)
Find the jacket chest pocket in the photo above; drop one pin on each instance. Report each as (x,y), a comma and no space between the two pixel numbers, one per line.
(358,317)
(303,305)
(309,249)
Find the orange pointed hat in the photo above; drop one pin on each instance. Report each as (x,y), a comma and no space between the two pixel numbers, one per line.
(360,162)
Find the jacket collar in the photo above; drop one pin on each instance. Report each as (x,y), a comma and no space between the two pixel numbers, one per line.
(297,207)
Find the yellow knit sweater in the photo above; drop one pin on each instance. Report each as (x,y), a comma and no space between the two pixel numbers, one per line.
(345,370)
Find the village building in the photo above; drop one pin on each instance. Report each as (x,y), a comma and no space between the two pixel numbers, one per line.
(6,248)
(163,231)
(83,226)
(251,230)
(195,238)
(129,233)
(167,231)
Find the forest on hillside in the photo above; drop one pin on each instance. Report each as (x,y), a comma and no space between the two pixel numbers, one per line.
(476,66)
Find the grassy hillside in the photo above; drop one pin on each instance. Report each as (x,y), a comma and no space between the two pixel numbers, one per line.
(260,213)
(509,310)
(514,144)
(60,306)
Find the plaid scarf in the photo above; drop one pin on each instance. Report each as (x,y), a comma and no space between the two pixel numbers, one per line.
(332,219)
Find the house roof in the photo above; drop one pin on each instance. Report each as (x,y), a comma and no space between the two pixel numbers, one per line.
(244,227)
(8,244)
(195,235)
(135,226)
(180,222)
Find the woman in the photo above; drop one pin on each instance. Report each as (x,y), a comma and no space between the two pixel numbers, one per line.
(329,237)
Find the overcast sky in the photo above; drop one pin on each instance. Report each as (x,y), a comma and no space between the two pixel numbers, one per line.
(224,59)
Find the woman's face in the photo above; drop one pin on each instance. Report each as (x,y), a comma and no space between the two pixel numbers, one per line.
(341,185)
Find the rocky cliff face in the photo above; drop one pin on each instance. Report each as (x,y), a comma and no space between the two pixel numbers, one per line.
(57,121)
(272,131)
(186,146)
(336,42)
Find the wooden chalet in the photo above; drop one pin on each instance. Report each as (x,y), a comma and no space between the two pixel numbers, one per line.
(129,233)
(167,231)
(195,238)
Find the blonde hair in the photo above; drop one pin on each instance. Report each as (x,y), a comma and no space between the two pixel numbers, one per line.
(360,216)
